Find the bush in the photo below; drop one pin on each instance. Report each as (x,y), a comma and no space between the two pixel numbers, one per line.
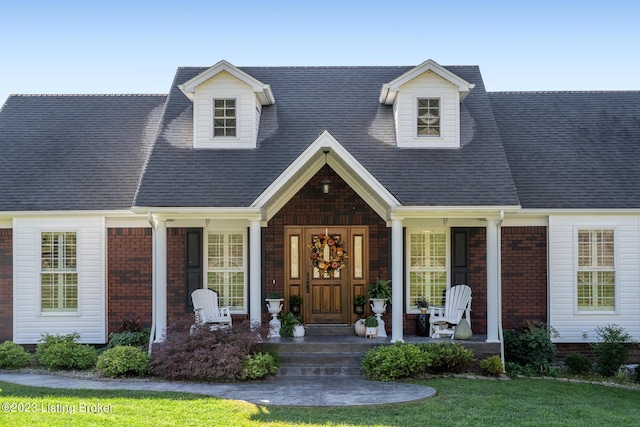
(63,352)
(613,349)
(134,339)
(206,355)
(529,350)
(13,356)
(492,366)
(578,364)
(123,361)
(390,362)
(259,365)
(446,358)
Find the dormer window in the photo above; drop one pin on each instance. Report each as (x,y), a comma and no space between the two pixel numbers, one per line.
(224,117)
(428,116)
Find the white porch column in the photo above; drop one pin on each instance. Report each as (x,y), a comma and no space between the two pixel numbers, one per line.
(493,278)
(159,279)
(397,269)
(255,272)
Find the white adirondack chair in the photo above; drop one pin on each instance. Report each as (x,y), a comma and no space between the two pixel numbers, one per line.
(456,305)
(207,312)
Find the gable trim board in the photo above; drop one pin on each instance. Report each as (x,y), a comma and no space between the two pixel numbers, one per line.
(495,165)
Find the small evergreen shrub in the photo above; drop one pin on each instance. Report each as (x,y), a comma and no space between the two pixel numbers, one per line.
(529,350)
(63,352)
(391,362)
(259,365)
(206,355)
(492,366)
(578,364)
(134,339)
(13,356)
(446,358)
(613,350)
(123,361)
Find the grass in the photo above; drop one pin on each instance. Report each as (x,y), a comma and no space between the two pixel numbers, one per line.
(460,402)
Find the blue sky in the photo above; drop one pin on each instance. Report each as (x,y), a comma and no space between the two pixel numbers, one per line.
(135,46)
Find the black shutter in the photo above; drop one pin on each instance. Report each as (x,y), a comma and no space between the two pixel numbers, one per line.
(194,262)
(459,256)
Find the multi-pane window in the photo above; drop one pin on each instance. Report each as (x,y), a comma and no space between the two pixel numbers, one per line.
(224,117)
(58,272)
(428,116)
(596,270)
(427,267)
(226,268)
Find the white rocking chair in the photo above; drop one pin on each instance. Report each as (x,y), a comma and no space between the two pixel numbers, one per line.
(456,305)
(207,312)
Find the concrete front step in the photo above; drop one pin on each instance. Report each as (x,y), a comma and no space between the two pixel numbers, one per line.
(333,330)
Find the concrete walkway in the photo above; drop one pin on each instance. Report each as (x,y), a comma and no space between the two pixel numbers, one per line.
(323,391)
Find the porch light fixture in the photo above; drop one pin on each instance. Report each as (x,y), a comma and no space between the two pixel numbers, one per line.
(326,183)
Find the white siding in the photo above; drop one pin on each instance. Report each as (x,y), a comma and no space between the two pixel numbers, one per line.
(428,85)
(563,315)
(90,321)
(224,85)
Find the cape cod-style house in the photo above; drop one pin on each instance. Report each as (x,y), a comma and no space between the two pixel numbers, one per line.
(116,206)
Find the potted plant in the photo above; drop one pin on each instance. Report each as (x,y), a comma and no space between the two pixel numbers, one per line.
(358,304)
(294,304)
(288,322)
(423,305)
(379,292)
(371,327)
(422,320)
(274,302)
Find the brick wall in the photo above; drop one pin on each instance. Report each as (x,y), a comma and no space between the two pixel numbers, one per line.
(129,258)
(6,284)
(524,275)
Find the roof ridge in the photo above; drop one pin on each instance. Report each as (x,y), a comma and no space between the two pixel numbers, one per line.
(123,95)
(560,91)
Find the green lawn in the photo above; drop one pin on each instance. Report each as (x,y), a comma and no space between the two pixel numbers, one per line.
(460,402)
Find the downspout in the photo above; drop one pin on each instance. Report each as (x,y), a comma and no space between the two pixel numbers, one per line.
(153,285)
(500,332)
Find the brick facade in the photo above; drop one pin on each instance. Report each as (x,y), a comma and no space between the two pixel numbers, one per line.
(129,259)
(6,284)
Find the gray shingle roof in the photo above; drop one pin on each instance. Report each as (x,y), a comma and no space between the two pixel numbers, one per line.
(83,152)
(343,101)
(572,150)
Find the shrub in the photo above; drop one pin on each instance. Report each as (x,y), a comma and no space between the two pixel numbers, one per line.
(613,349)
(447,357)
(134,339)
(287,322)
(13,356)
(529,350)
(63,352)
(578,364)
(123,361)
(492,366)
(259,365)
(390,362)
(206,355)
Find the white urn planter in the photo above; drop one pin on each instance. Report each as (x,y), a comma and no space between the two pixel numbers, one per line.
(379,306)
(274,306)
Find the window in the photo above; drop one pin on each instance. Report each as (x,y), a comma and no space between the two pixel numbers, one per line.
(428,116)
(427,267)
(226,268)
(224,117)
(596,270)
(58,272)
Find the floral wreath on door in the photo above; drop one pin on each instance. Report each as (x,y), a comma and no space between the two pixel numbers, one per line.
(327,253)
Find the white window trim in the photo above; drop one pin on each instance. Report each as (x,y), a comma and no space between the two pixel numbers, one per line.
(77,312)
(427,138)
(616,284)
(223,139)
(409,231)
(245,253)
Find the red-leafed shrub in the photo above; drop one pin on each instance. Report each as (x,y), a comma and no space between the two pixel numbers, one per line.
(204,355)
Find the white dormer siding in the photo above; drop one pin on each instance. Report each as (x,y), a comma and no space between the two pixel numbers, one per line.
(405,112)
(240,99)
(224,86)
(442,90)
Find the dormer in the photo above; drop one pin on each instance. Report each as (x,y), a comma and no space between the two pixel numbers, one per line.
(426,106)
(227,103)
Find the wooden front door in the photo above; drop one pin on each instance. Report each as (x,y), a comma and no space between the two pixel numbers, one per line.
(328,276)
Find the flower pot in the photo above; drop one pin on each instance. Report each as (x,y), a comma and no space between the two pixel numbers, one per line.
(358,309)
(371,332)
(422,325)
(298,331)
